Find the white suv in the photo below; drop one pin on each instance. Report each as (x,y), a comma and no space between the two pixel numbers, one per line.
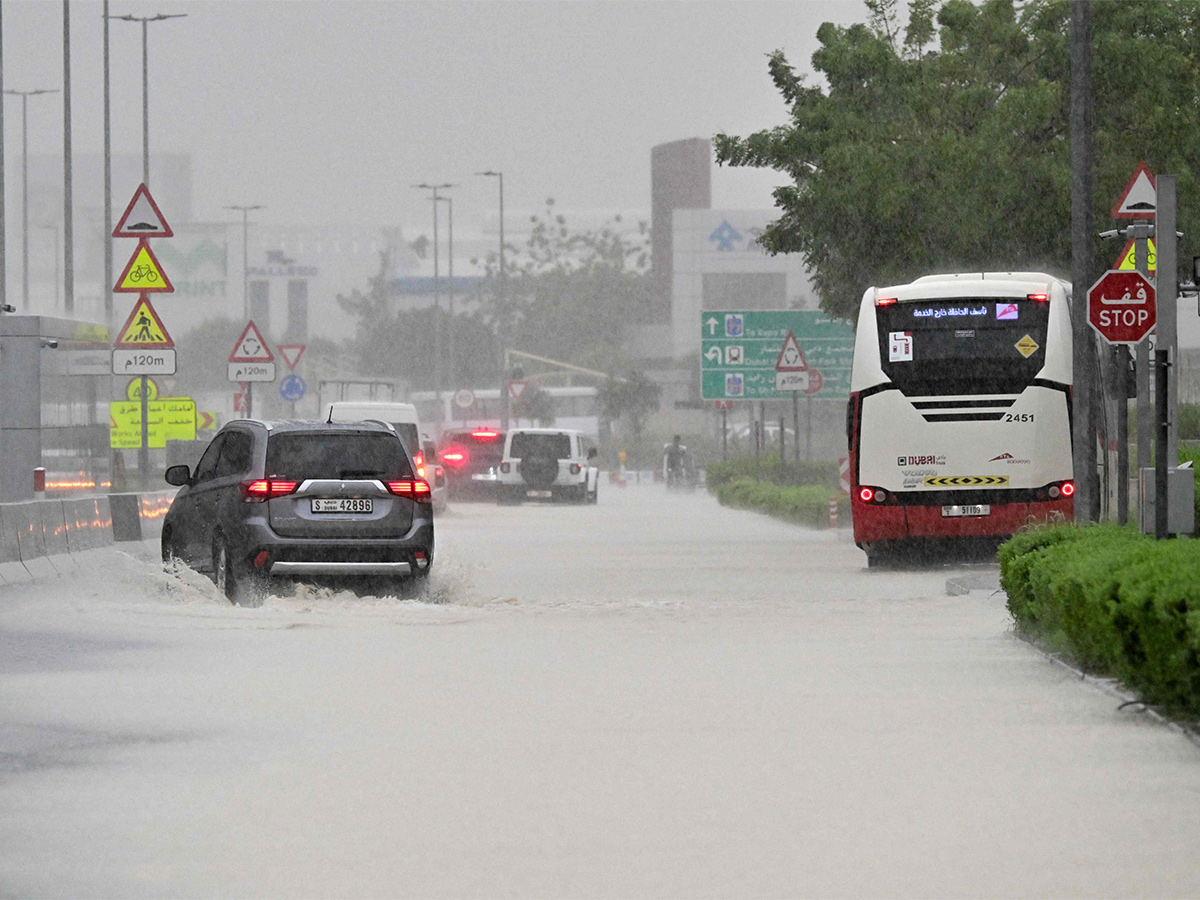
(550,463)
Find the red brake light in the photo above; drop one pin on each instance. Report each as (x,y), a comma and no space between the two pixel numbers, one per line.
(486,433)
(413,489)
(1040,298)
(866,495)
(261,489)
(1068,488)
(419,459)
(884,301)
(454,456)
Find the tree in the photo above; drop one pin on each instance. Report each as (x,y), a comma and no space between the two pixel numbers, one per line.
(927,155)
(573,295)
(633,399)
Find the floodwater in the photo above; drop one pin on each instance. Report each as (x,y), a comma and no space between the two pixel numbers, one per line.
(651,697)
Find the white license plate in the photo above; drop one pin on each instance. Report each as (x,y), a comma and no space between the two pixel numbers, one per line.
(979,509)
(341,505)
(541,494)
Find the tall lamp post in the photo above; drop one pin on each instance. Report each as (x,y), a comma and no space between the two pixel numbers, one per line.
(54,229)
(25,95)
(146,20)
(502,295)
(437,297)
(450,345)
(245,210)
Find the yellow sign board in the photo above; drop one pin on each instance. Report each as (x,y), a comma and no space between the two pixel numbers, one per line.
(143,274)
(143,328)
(1027,346)
(170,419)
(1126,261)
(966,481)
(133,390)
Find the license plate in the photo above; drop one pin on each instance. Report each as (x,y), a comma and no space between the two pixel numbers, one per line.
(539,494)
(979,509)
(341,505)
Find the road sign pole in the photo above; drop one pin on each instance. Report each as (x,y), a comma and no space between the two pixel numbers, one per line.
(1167,295)
(796,426)
(724,434)
(1141,256)
(144,449)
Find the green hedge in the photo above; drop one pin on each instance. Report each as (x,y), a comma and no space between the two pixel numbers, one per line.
(1116,602)
(769,468)
(804,505)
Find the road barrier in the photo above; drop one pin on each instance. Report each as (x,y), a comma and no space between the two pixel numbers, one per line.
(41,539)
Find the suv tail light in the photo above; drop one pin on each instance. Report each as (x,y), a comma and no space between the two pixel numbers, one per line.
(454,456)
(413,489)
(261,489)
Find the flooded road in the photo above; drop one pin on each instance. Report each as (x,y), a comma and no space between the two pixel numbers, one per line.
(654,696)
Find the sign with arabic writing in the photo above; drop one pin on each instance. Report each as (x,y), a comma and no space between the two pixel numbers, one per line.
(1121,307)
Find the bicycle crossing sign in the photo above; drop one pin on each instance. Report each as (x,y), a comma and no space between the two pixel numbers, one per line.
(143,329)
(142,218)
(143,274)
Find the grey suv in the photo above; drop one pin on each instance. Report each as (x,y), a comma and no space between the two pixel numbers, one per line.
(300,499)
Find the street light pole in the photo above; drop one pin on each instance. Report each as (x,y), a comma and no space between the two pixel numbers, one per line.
(145,21)
(245,210)
(437,288)
(25,95)
(54,228)
(450,343)
(502,294)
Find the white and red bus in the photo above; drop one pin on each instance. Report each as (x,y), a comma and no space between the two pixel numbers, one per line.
(960,411)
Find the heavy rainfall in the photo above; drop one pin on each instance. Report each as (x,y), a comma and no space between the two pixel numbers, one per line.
(632,449)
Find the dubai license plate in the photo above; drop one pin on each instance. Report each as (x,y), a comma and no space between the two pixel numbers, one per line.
(539,494)
(979,509)
(341,505)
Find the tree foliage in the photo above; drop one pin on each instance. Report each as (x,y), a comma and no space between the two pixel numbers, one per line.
(572,295)
(945,145)
(633,399)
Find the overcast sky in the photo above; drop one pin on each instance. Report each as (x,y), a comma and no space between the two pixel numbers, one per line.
(327,112)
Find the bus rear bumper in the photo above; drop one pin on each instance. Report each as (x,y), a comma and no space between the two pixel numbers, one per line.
(876,523)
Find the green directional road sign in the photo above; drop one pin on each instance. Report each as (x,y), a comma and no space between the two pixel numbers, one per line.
(739,351)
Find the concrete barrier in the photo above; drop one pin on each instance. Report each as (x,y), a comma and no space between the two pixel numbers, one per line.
(41,539)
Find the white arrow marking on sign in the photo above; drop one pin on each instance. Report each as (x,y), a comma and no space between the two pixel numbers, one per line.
(713,355)
(712,324)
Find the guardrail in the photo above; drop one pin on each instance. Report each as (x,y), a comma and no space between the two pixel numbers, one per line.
(41,539)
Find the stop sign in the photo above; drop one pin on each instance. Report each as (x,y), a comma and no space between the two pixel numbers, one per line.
(1121,306)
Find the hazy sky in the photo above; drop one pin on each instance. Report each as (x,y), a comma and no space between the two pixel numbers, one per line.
(327,112)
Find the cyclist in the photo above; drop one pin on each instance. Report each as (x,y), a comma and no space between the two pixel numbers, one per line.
(675,461)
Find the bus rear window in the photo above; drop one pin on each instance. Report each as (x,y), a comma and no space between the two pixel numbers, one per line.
(963,346)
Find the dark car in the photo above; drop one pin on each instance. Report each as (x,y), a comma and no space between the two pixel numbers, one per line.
(471,460)
(300,500)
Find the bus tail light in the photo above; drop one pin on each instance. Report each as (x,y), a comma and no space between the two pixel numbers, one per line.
(1040,298)
(872,494)
(884,301)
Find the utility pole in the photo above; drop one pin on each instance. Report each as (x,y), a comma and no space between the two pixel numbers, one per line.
(1083,428)
(500,298)
(437,289)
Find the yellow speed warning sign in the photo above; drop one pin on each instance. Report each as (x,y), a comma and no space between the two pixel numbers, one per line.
(1027,346)
(133,390)
(143,274)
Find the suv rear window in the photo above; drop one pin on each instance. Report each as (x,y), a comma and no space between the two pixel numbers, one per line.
(555,446)
(299,455)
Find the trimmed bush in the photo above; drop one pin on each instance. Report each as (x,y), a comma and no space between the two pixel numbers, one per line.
(1114,601)
(804,505)
(768,468)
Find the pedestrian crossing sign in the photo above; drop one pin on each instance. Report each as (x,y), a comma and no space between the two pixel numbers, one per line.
(143,329)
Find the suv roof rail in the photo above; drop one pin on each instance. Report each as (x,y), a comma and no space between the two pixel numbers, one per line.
(387,425)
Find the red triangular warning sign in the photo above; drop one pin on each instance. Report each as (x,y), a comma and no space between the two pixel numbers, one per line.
(516,389)
(142,218)
(143,329)
(251,346)
(291,354)
(143,274)
(791,359)
(1139,200)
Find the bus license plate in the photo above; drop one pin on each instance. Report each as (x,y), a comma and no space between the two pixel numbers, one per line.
(979,509)
(341,505)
